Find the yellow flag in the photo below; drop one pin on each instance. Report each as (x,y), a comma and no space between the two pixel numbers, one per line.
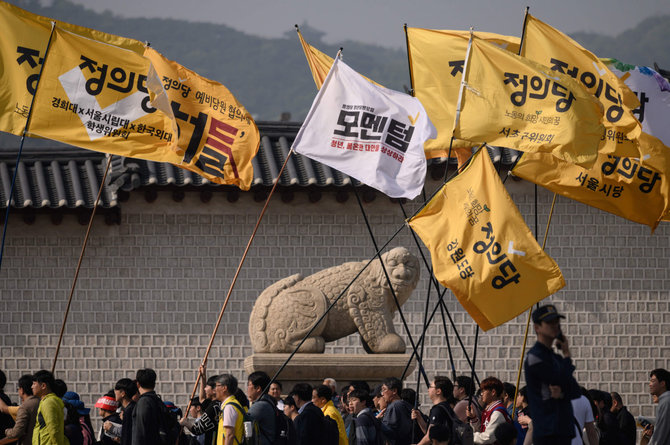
(319,63)
(616,185)
(436,60)
(482,249)
(550,47)
(218,136)
(513,102)
(24,40)
(104,98)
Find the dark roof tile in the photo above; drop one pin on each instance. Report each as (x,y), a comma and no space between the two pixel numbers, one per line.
(53,175)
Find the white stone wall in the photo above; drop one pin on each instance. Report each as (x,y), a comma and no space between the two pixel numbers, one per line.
(150,290)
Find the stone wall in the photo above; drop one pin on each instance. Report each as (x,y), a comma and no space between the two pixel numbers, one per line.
(150,290)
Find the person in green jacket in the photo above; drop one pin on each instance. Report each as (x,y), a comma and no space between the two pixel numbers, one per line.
(50,424)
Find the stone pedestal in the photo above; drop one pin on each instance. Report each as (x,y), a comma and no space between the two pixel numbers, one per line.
(313,368)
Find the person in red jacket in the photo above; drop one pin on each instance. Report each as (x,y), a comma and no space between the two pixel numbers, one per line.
(494,412)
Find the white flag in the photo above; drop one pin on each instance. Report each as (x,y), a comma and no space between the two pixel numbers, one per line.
(371,133)
(653,91)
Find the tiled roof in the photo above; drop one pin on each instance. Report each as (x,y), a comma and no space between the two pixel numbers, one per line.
(53,175)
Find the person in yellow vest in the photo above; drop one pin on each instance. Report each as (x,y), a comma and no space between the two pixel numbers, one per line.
(231,421)
(322,397)
(50,424)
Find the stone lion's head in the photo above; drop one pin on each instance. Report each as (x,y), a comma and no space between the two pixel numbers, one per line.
(403,270)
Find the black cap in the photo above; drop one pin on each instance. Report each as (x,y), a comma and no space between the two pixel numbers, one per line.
(546,313)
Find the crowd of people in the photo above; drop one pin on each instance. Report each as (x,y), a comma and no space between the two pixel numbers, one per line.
(550,409)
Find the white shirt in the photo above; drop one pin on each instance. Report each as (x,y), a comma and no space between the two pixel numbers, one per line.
(230,414)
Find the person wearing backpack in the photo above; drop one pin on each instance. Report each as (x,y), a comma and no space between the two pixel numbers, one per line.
(322,396)
(441,413)
(231,421)
(493,415)
(263,407)
(147,415)
(366,428)
(398,414)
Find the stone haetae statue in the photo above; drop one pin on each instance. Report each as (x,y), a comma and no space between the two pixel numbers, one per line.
(285,312)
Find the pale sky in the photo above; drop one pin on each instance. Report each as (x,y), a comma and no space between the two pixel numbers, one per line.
(380,21)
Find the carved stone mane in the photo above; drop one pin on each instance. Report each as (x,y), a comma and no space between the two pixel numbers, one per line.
(285,312)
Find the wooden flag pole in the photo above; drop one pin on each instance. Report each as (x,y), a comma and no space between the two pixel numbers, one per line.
(81,257)
(530,311)
(237,272)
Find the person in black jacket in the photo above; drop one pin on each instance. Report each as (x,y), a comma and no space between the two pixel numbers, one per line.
(107,406)
(309,423)
(147,412)
(398,414)
(124,390)
(549,381)
(366,428)
(6,420)
(625,419)
(263,408)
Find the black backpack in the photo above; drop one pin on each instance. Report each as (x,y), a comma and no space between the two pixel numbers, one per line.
(284,430)
(169,428)
(380,439)
(461,432)
(331,431)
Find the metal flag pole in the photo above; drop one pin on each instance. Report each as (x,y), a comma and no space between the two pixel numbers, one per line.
(23,137)
(344,291)
(388,280)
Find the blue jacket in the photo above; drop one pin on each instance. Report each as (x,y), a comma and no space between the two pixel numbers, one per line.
(551,417)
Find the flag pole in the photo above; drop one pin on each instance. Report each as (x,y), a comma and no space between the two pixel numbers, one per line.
(421,338)
(446,336)
(459,102)
(23,138)
(530,311)
(523,30)
(246,250)
(466,65)
(409,62)
(388,280)
(423,344)
(474,359)
(435,283)
(234,280)
(81,257)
